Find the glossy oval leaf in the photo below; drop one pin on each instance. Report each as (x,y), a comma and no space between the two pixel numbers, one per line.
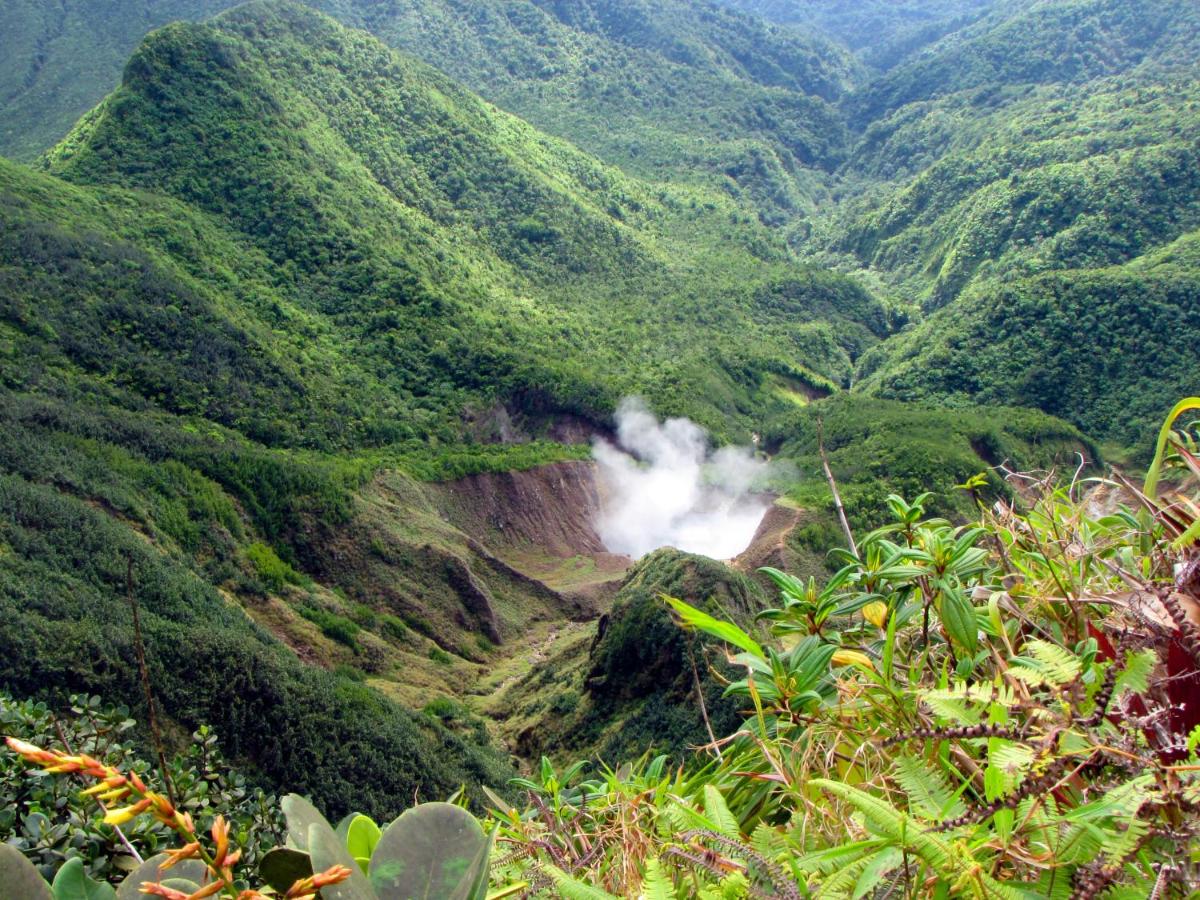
(958,615)
(19,877)
(190,870)
(432,850)
(72,883)
(361,839)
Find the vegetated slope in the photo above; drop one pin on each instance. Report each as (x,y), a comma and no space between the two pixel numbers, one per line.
(287,262)
(1051,179)
(464,254)
(1040,42)
(61,58)
(1038,247)
(700,93)
(1106,348)
(674,90)
(882,33)
(78,516)
(1043,138)
(627,683)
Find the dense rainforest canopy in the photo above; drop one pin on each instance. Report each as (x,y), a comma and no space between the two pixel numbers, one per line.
(311,312)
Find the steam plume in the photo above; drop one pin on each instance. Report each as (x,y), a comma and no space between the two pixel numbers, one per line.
(663,488)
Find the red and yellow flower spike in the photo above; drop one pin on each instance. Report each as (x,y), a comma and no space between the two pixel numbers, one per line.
(113,785)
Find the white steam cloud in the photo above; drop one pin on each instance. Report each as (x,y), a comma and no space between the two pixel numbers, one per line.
(662,488)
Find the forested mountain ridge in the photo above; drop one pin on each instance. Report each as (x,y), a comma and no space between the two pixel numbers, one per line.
(394,203)
(702,94)
(284,274)
(251,292)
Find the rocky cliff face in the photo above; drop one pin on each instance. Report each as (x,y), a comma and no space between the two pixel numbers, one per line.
(550,507)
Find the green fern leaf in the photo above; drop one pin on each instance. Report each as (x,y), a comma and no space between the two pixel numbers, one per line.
(1136,675)
(718,813)
(876,867)
(887,821)
(657,884)
(929,794)
(572,889)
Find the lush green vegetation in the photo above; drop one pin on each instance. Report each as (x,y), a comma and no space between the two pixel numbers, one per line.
(285,277)
(702,95)
(970,142)
(994,710)
(50,823)
(880,447)
(1099,347)
(637,689)
(882,33)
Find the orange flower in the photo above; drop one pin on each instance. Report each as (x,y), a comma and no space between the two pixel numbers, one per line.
(207,891)
(159,890)
(187,851)
(220,835)
(306,888)
(59,763)
(126,813)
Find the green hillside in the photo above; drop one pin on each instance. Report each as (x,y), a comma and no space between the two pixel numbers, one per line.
(288,274)
(882,33)
(278,269)
(1105,348)
(701,94)
(1052,178)
(514,256)
(1040,42)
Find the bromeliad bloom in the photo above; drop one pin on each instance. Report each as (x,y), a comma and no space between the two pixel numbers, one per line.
(852,658)
(60,763)
(114,785)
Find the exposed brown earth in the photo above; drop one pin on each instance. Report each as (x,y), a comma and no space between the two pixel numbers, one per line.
(769,546)
(541,523)
(550,507)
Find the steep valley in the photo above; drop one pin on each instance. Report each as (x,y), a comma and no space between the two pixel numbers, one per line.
(312,321)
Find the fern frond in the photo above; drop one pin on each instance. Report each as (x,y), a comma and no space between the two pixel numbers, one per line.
(929,793)
(889,822)
(657,884)
(718,813)
(1008,764)
(1058,664)
(573,889)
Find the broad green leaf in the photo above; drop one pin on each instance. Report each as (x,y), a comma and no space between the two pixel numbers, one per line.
(72,883)
(725,631)
(283,866)
(432,850)
(151,870)
(342,829)
(20,878)
(328,850)
(300,815)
